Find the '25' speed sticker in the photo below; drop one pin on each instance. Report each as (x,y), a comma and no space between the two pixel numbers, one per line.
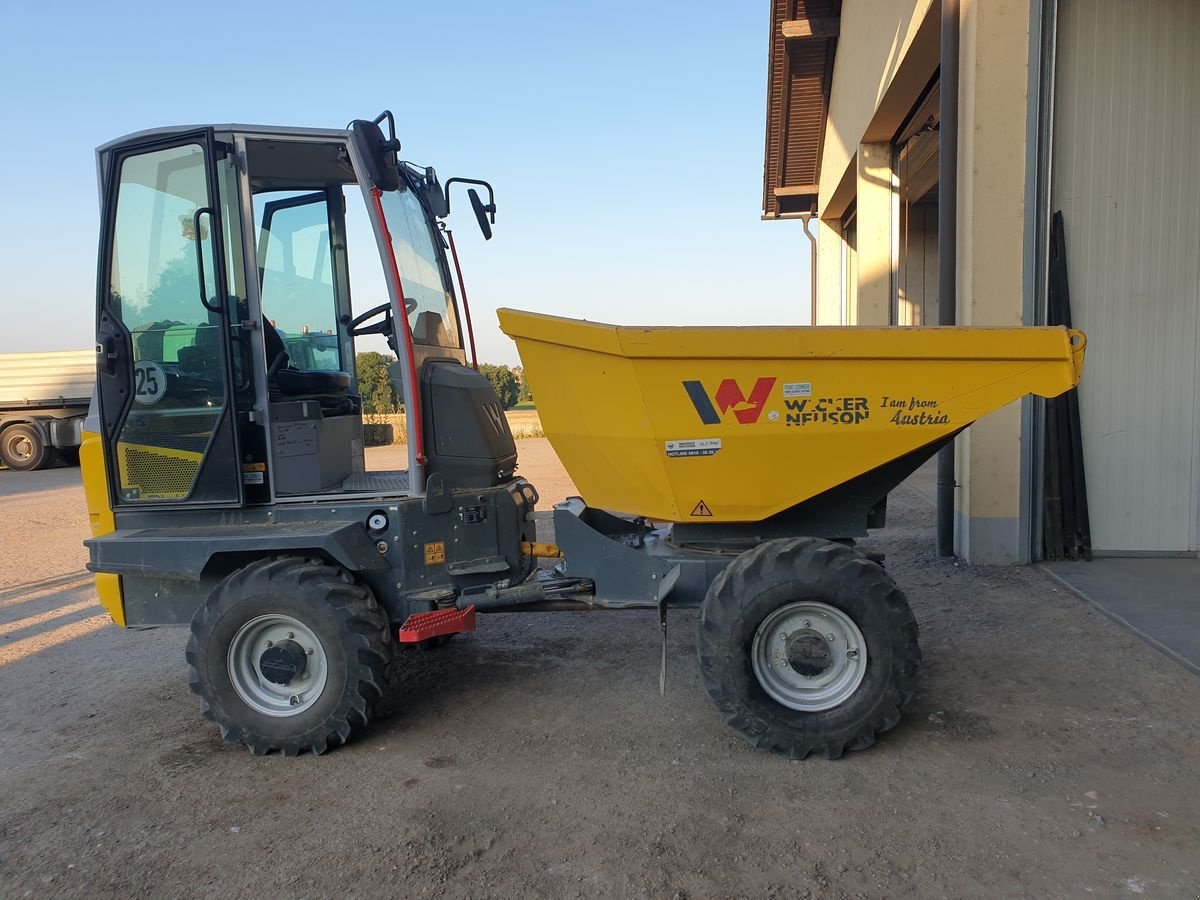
(149,382)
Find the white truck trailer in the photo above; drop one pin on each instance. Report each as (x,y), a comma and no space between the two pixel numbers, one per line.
(43,400)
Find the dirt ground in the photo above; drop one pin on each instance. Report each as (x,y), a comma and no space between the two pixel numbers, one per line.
(1047,753)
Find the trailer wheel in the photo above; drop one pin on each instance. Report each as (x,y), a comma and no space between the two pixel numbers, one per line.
(22,448)
(806,646)
(289,654)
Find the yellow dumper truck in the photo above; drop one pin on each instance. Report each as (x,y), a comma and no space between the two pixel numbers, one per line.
(729,469)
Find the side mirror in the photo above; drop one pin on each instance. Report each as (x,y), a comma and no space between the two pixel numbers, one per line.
(485,213)
(481,213)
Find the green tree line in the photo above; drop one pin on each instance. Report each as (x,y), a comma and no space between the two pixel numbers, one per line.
(380,398)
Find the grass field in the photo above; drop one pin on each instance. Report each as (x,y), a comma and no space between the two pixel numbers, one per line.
(524,423)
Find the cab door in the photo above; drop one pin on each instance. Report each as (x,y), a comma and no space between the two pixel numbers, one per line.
(163,335)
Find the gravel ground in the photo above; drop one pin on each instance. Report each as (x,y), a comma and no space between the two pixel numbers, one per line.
(1047,753)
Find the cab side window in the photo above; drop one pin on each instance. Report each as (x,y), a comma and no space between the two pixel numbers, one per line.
(296,273)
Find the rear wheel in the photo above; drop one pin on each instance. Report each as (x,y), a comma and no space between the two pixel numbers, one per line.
(806,646)
(22,448)
(289,654)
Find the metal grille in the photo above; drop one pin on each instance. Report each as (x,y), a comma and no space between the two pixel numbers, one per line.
(159,473)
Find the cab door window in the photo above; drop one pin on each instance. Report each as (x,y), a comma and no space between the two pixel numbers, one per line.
(163,289)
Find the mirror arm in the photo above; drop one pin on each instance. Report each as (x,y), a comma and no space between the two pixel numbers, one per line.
(490,208)
(391,120)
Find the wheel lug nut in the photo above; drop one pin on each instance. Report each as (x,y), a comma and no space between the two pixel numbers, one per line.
(309,651)
(291,635)
(807,624)
(270,643)
(829,637)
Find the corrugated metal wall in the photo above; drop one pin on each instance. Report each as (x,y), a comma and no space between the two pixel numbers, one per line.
(1127,177)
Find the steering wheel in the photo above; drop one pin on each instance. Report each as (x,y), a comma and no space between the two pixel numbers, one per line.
(383,326)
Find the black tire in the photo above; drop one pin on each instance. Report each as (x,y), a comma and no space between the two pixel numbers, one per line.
(780,572)
(22,448)
(354,635)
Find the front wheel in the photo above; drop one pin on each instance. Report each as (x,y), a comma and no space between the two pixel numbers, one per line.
(806,646)
(289,654)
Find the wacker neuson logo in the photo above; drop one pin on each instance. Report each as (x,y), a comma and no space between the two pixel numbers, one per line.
(729,396)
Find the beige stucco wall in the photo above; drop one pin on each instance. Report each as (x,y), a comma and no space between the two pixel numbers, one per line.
(829,273)
(876,200)
(993,97)
(874,37)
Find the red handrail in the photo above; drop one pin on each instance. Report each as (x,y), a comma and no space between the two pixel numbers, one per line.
(414,402)
(462,289)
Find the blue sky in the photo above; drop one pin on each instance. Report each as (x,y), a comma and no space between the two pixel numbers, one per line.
(625,142)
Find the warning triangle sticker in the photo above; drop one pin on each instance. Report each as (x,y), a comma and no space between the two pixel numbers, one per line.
(701,509)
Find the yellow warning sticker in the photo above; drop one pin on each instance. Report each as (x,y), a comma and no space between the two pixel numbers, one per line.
(701,509)
(435,553)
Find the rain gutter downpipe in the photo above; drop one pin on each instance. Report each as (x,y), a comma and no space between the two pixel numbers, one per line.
(947,243)
(812,267)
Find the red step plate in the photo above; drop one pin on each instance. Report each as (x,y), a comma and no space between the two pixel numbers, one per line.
(423,626)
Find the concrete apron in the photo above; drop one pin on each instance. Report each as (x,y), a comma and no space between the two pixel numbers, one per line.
(1157,599)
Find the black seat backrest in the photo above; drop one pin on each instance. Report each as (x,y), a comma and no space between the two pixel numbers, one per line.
(273,342)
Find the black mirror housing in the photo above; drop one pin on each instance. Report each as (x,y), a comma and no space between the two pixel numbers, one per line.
(378,152)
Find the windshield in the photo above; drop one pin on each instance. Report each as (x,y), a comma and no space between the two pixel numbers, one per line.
(430,303)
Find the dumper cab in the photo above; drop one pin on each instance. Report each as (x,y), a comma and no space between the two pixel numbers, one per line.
(227,328)
(227,324)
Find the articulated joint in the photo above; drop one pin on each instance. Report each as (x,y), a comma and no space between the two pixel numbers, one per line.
(544,551)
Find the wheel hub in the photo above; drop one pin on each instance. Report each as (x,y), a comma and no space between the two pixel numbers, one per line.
(809,656)
(808,652)
(20,447)
(277,665)
(283,662)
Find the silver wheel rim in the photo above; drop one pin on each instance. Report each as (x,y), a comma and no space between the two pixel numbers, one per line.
(809,656)
(244,659)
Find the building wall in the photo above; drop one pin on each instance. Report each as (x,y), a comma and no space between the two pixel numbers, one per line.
(1126,125)
(993,97)
(875,37)
(886,58)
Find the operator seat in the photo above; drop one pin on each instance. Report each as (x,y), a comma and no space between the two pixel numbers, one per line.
(294,384)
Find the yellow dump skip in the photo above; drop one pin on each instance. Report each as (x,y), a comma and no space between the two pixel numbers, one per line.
(737,424)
